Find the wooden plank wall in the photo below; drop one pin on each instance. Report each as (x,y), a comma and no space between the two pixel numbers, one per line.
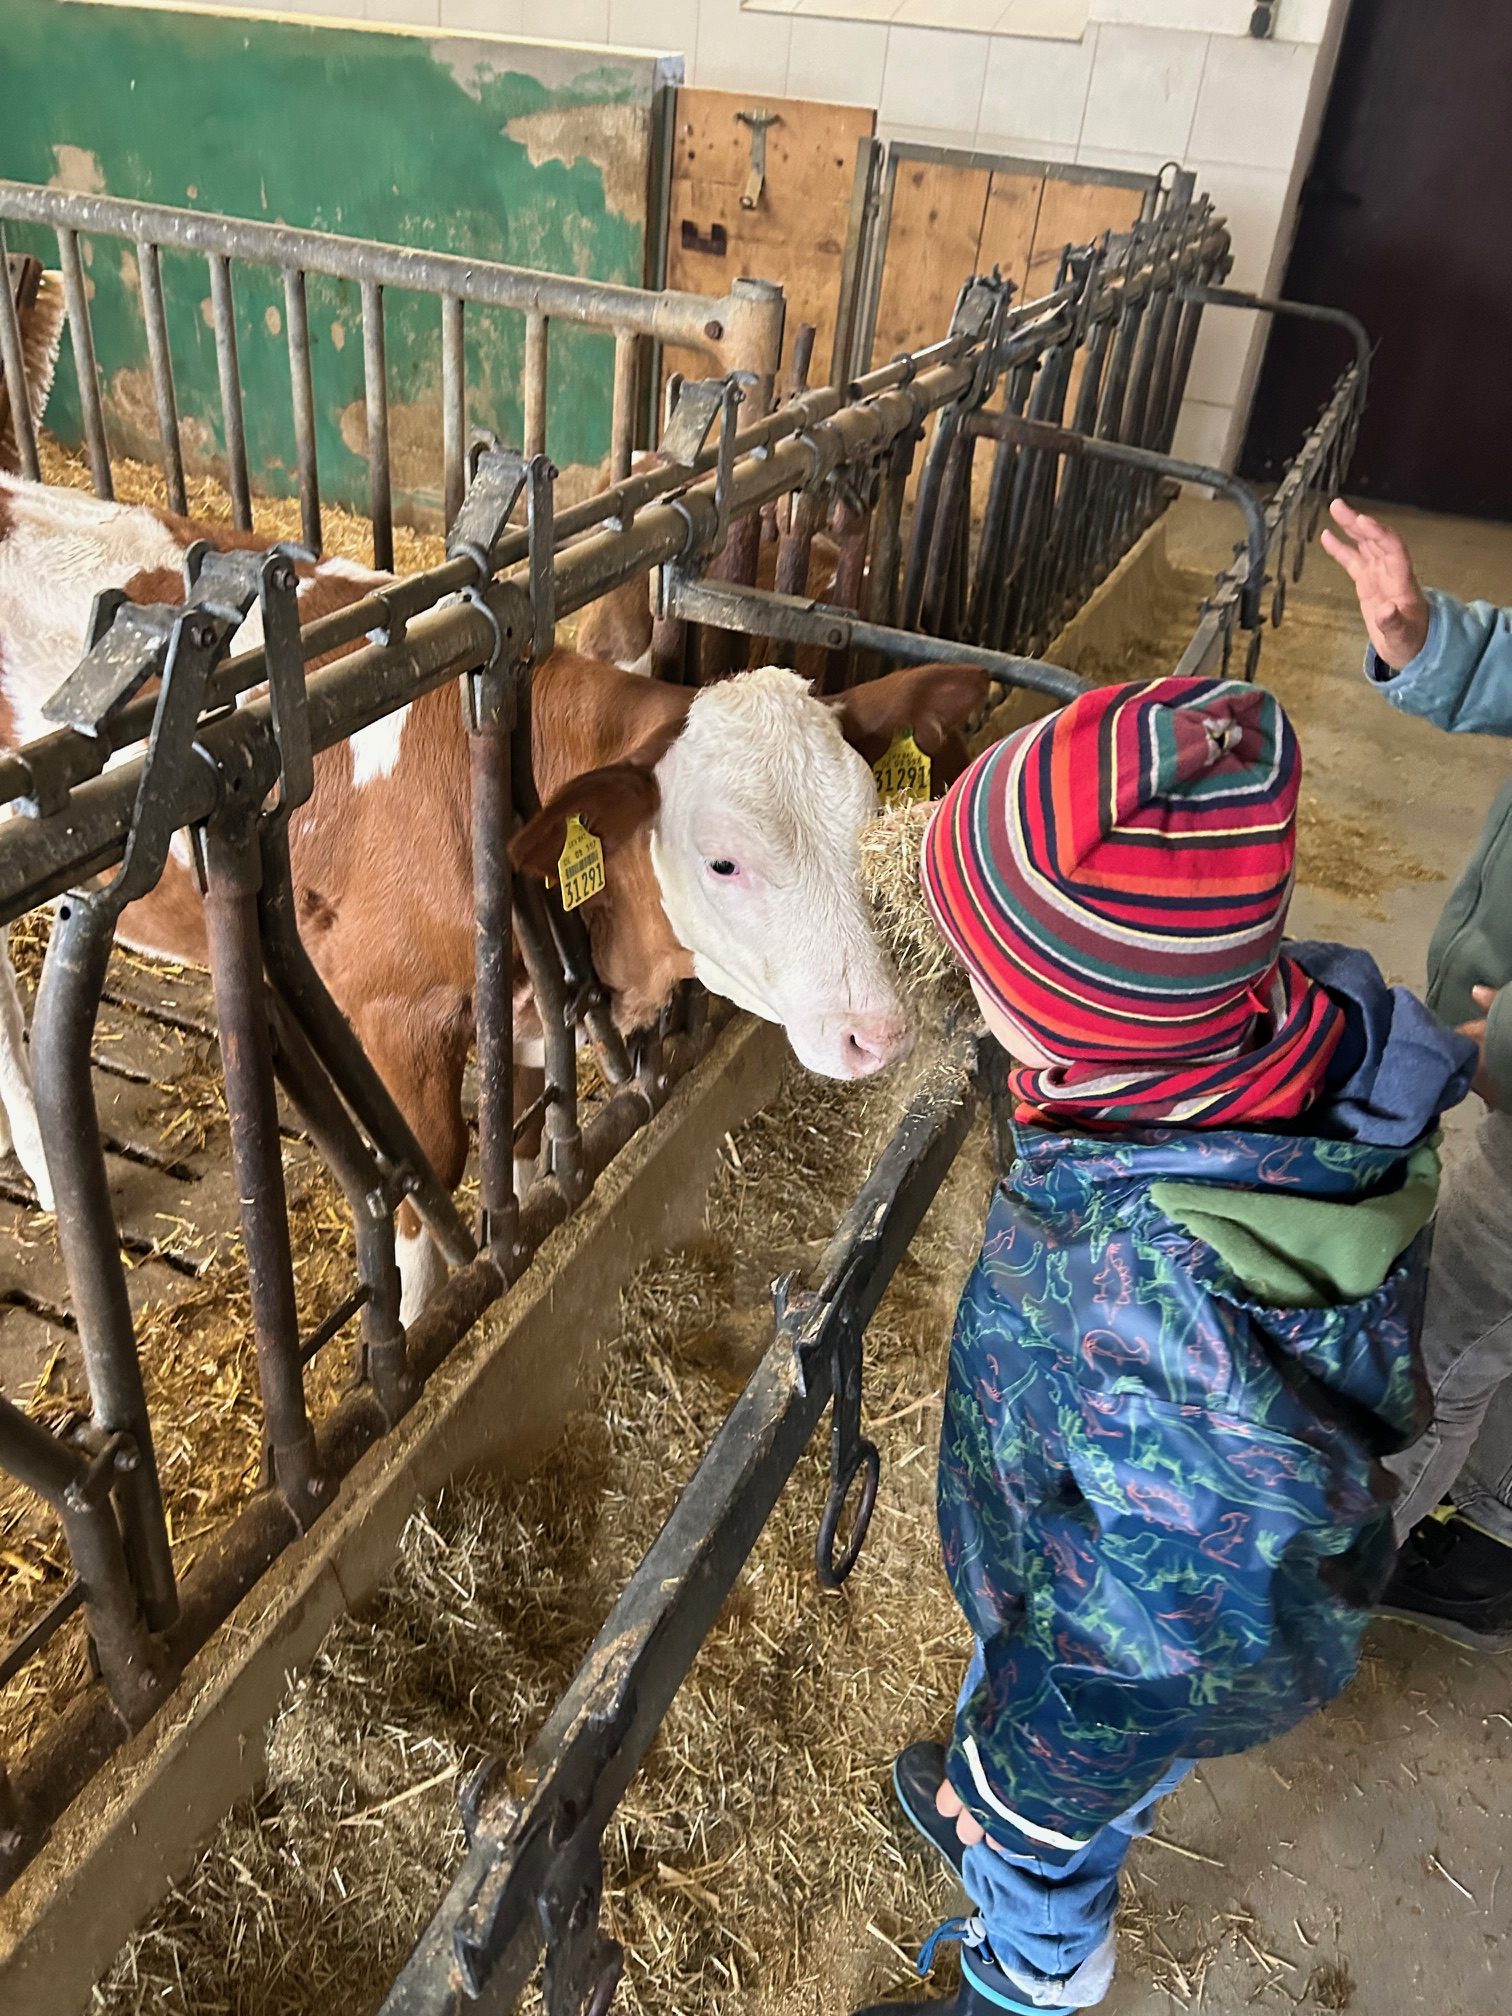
(953,216)
(796,232)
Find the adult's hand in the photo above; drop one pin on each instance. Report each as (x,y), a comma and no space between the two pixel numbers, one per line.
(1484,1083)
(1377,561)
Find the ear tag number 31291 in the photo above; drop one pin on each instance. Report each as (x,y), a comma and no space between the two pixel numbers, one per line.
(580,865)
(902,772)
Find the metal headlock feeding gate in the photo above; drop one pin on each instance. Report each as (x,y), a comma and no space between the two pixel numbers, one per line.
(207,754)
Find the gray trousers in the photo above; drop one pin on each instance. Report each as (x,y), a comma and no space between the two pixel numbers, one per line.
(1467,1344)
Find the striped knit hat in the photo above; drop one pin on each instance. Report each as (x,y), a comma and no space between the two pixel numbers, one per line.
(1116,877)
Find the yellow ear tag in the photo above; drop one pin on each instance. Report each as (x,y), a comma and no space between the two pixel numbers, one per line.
(580,865)
(902,772)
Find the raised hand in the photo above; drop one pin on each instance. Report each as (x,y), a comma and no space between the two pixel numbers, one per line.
(1377,561)
(1485,1084)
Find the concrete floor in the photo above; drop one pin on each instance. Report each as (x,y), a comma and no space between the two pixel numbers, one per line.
(1358,1863)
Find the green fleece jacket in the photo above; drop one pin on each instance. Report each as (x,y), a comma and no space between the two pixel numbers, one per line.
(1462,680)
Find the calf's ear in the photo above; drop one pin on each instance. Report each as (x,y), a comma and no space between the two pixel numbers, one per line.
(935,701)
(613,803)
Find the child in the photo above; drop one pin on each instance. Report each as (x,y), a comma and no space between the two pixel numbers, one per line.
(1450,663)
(1189,1338)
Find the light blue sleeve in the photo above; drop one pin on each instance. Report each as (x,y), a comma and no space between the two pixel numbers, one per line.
(1461,680)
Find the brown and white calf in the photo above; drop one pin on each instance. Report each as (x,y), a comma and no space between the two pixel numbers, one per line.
(729,818)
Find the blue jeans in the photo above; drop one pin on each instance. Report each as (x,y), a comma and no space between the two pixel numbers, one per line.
(1047,1921)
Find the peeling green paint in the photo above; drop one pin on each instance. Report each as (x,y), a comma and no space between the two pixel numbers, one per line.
(463,144)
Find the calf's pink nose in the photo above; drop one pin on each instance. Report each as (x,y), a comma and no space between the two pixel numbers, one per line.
(870,1042)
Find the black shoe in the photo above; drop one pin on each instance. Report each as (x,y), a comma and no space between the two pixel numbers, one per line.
(985,1990)
(1453,1579)
(918,1773)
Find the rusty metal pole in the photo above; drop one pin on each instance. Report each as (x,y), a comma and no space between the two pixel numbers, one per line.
(490,766)
(68,998)
(233,877)
(750,343)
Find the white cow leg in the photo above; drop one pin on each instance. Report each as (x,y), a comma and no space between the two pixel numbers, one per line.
(19,1129)
(524,1174)
(421,1271)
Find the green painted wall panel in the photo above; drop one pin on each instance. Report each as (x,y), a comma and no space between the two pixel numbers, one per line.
(469,144)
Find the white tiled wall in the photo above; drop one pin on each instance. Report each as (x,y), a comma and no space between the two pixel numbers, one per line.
(1148,81)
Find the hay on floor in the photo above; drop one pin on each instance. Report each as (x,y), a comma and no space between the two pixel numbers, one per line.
(345,534)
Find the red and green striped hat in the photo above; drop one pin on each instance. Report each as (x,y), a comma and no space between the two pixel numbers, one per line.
(1116,877)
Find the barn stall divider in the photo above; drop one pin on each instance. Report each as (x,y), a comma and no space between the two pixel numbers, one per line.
(232,768)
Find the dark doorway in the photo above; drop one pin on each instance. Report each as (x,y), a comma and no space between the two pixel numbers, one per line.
(1405,221)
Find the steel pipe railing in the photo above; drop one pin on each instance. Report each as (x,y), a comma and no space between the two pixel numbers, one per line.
(741,330)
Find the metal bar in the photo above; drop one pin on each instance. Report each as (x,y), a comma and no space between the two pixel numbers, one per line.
(233,876)
(160,362)
(82,337)
(302,394)
(537,380)
(670,315)
(375,397)
(73,975)
(975,158)
(916,579)
(1233,587)
(562,1142)
(13,363)
(79,1492)
(622,417)
(1301,311)
(27,1644)
(303,993)
(367,1192)
(484,1938)
(73,758)
(858,229)
(865,340)
(758,612)
(453,407)
(492,824)
(1066,441)
(41,1461)
(223,312)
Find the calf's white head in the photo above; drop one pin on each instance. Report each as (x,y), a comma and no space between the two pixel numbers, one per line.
(752,794)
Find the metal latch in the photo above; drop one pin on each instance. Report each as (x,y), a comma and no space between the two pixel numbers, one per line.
(758,121)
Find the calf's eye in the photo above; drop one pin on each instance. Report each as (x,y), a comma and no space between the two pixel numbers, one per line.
(724,869)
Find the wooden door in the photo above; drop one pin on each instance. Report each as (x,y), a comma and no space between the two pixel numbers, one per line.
(795,234)
(1403,221)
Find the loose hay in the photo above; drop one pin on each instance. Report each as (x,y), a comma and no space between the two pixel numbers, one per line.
(890,848)
(344,533)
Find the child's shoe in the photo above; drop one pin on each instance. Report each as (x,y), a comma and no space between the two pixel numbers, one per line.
(1454,1579)
(985,1989)
(918,1773)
